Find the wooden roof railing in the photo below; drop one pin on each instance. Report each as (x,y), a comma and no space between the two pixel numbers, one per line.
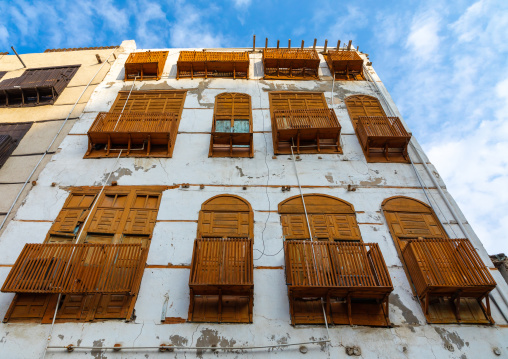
(145,65)
(348,270)
(222,268)
(316,128)
(34,87)
(291,64)
(139,134)
(443,267)
(231,144)
(213,64)
(345,64)
(77,269)
(383,137)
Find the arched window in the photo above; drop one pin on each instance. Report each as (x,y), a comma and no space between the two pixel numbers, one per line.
(226,216)
(409,218)
(363,105)
(232,126)
(447,275)
(383,139)
(221,278)
(330,218)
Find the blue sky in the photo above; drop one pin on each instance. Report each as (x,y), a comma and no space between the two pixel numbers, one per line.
(444,63)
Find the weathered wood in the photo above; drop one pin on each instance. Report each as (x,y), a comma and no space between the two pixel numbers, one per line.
(238,142)
(302,64)
(344,64)
(336,270)
(145,65)
(205,64)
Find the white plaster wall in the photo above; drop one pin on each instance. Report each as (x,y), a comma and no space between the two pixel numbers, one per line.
(166,289)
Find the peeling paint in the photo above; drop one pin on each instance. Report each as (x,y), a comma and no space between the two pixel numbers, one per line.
(98,353)
(210,337)
(178,340)
(450,337)
(329,177)
(406,312)
(374,182)
(240,171)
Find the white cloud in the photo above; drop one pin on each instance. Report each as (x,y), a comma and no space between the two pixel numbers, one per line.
(4,38)
(191,29)
(423,40)
(241,4)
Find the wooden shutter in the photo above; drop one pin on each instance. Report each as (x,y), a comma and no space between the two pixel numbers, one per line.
(113,306)
(297,100)
(232,106)
(109,214)
(75,306)
(363,105)
(142,214)
(72,215)
(151,101)
(294,226)
(416,225)
(334,227)
(224,224)
(28,306)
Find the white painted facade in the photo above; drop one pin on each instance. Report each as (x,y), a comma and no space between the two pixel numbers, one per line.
(166,290)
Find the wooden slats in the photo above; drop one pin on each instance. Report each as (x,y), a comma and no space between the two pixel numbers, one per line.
(145,65)
(447,265)
(302,119)
(291,64)
(76,269)
(40,86)
(213,64)
(383,137)
(140,134)
(222,262)
(331,265)
(345,64)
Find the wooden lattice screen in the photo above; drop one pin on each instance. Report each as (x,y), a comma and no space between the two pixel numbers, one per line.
(35,87)
(292,64)
(146,126)
(232,126)
(448,275)
(221,280)
(352,278)
(345,64)
(77,268)
(213,64)
(145,65)
(302,120)
(383,139)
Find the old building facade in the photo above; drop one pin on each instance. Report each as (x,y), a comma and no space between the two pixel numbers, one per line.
(241,202)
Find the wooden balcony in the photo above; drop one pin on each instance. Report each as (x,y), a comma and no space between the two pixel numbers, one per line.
(36,87)
(345,64)
(352,278)
(231,145)
(137,134)
(452,269)
(221,280)
(77,269)
(147,65)
(213,64)
(291,64)
(309,131)
(383,139)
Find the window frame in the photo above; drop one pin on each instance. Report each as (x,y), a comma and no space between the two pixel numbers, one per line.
(222,144)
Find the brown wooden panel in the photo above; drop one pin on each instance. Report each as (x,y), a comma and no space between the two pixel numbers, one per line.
(145,65)
(160,101)
(113,306)
(229,64)
(73,214)
(28,306)
(345,64)
(294,226)
(363,105)
(225,216)
(300,64)
(316,203)
(230,107)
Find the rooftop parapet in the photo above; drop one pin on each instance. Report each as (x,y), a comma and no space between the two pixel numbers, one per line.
(345,64)
(292,64)
(206,64)
(147,65)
